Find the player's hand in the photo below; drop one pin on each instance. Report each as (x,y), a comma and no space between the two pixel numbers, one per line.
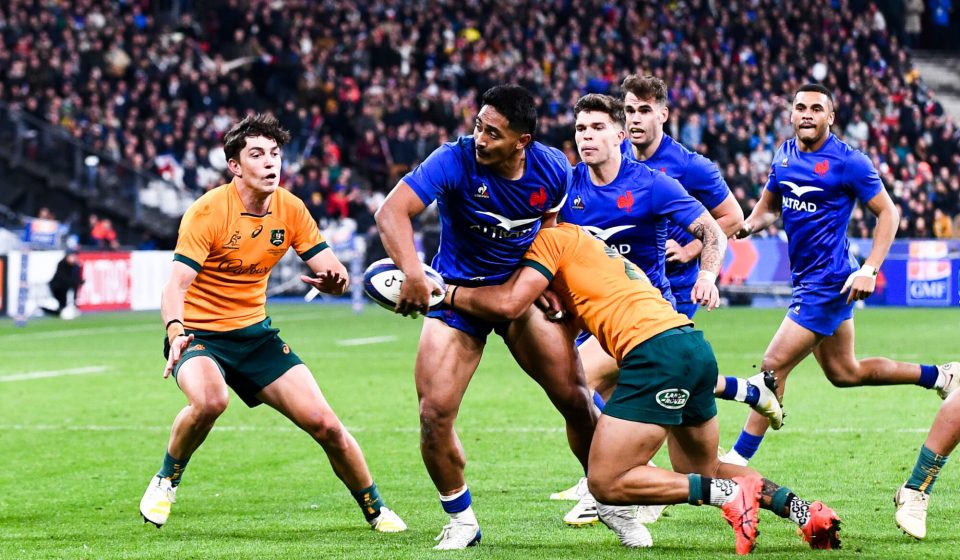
(861,284)
(415,295)
(745,230)
(705,292)
(549,302)
(177,347)
(328,282)
(677,253)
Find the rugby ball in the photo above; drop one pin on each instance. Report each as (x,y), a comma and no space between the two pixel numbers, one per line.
(382,281)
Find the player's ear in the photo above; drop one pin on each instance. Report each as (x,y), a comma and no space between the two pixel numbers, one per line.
(664,114)
(234,167)
(524,140)
(830,118)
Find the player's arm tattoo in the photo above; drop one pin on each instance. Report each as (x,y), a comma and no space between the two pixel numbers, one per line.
(706,229)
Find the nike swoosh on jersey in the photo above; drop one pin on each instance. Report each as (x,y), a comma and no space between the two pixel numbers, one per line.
(798,190)
(604,234)
(507,223)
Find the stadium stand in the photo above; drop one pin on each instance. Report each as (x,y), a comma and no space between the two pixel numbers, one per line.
(123,104)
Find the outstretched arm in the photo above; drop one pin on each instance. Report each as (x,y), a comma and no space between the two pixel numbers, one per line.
(331,276)
(497,303)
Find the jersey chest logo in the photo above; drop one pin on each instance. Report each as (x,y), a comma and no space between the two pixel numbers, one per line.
(800,190)
(277,237)
(507,223)
(605,234)
(625,202)
(539,198)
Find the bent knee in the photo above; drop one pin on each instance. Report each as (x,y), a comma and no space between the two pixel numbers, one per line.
(210,407)
(604,489)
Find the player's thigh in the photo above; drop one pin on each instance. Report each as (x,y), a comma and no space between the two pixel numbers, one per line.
(201,380)
(296,395)
(789,346)
(600,368)
(836,354)
(446,361)
(620,445)
(693,448)
(546,352)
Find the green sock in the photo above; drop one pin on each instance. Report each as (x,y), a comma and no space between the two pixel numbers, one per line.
(697,495)
(926,471)
(369,501)
(172,468)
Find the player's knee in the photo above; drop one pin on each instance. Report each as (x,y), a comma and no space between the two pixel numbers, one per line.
(604,488)
(435,419)
(210,407)
(326,429)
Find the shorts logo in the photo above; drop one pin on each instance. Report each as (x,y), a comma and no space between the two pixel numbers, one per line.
(673,398)
(276,237)
(256,232)
(196,348)
(286,349)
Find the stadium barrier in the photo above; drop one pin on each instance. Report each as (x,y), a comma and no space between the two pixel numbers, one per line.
(921,273)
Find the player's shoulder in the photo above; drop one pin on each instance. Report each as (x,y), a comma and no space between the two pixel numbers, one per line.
(213,202)
(548,157)
(855,161)
(636,171)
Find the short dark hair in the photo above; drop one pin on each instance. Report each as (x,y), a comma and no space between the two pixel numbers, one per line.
(817,88)
(516,104)
(645,87)
(265,125)
(602,104)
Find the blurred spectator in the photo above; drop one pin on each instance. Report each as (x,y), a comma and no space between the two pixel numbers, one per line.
(103,235)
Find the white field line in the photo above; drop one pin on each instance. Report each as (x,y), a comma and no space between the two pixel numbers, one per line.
(411,429)
(52,373)
(366,341)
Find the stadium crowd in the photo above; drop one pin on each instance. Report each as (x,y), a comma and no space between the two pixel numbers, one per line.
(368,90)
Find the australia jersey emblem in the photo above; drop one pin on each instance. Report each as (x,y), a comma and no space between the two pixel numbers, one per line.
(234,242)
(276,237)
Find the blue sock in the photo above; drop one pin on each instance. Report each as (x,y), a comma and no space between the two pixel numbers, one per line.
(457,502)
(747,444)
(928,376)
(926,471)
(736,389)
(598,400)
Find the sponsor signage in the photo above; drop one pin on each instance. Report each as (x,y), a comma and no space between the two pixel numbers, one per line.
(108,284)
(928,282)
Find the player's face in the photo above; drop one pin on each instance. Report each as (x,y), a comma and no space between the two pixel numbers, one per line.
(259,164)
(645,118)
(598,137)
(496,142)
(812,116)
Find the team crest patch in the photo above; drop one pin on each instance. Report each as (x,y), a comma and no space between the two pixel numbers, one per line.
(276,237)
(821,168)
(197,348)
(673,398)
(234,242)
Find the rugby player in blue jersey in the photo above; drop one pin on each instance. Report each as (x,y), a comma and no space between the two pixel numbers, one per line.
(815,180)
(494,191)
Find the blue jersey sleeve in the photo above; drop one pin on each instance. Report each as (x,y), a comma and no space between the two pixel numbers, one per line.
(703,180)
(438,173)
(560,199)
(672,201)
(861,177)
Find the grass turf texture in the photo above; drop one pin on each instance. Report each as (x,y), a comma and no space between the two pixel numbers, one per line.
(79,449)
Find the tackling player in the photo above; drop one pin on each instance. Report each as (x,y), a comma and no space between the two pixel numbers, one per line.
(815,179)
(218,333)
(494,192)
(666,384)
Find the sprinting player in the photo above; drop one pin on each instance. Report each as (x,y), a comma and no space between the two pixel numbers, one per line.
(627,205)
(218,333)
(815,179)
(912,499)
(666,383)
(494,190)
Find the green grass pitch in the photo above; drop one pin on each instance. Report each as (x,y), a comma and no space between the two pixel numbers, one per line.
(79,445)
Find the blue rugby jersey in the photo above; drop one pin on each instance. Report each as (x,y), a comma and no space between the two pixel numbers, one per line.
(819,190)
(702,179)
(487,222)
(628,214)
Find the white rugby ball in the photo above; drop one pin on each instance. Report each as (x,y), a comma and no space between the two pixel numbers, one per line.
(382,281)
